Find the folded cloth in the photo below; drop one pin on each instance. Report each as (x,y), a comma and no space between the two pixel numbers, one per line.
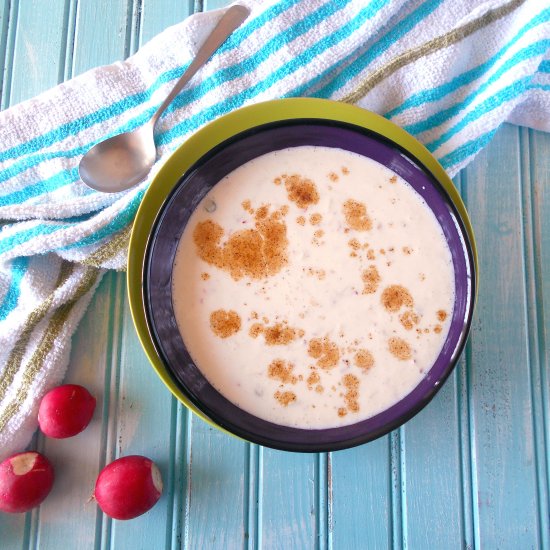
(448,72)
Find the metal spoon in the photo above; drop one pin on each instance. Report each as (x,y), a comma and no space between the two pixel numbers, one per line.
(122,161)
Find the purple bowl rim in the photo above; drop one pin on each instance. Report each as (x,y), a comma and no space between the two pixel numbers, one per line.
(386,427)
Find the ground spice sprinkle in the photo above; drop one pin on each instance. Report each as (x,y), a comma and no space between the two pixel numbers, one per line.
(285,397)
(279,335)
(371,280)
(364,359)
(395,297)
(325,351)
(356,216)
(351,383)
(302,191)
(255,253)
(315,219)
(225,323)
(409,319)
(400,348)
(442,315)
(282,370)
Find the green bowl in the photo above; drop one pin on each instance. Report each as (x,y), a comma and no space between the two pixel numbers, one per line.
(214,134)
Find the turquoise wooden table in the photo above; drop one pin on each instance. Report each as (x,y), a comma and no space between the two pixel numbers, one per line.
(470,471)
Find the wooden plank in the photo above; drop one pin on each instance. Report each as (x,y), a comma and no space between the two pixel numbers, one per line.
(12,530)
(142,426)
(8,32)
(77,460)
(289,511)
(34,45)
(362,497)
(13,527)
(94,44)
(4,25)
(432,481)
(217,506)
(39,52)
(215,501)
(4,18)
(102,35)
(253,481)
(289,500)
(157,16)
(178,489)
(461,377)
(405,490)
(436,476)
(194,521)
(141,401)
(504,474)
(215,4)
(536,206)
(125,433)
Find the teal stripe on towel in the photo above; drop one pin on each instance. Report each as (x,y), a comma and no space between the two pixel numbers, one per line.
(466,150)
(250,64)
(203,117)
(43,187)
(394,34)
(543,87)
(26,235)
(435,94)
(122,219)
(229,104)
(18,269)
(30,162)
(490,104)
(442,116)
(87,121)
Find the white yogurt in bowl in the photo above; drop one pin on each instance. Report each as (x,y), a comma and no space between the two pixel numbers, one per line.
(313,287)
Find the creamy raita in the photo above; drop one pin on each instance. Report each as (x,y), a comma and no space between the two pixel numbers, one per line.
(313,287)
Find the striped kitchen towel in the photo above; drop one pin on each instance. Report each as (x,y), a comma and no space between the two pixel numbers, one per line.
(450,72)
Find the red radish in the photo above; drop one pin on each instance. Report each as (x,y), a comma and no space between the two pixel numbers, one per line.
(128,487)
(25,481)
(65,411)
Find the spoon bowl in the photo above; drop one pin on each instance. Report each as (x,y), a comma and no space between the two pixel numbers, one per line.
(119,162)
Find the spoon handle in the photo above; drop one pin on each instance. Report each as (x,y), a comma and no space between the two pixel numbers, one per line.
(230,21)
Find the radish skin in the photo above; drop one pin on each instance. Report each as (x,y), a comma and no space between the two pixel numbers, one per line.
(25,481)
(65,411)
(128,487)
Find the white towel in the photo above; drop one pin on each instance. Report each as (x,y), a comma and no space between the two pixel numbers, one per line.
(449,72)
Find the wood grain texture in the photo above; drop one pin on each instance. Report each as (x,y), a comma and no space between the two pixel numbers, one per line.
(40,63)
(501,404)
(430,441)
(157,16)
(362,496)
(8,32)
(289,500)
(536,201)
(102,33)
(470,471)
